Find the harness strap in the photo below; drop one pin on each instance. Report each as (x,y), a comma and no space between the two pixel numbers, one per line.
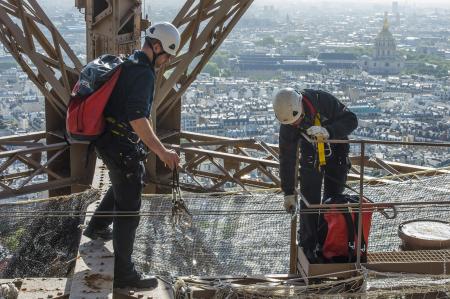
(317,122)
(120,129)
(350,235)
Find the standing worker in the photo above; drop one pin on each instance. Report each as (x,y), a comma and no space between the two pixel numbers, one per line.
(321,116)
(122,149)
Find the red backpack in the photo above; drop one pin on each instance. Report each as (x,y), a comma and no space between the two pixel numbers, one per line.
(338,231)
(84,119)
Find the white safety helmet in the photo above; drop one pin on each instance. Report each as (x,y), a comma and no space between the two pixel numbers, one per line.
(287,105)
(167,34)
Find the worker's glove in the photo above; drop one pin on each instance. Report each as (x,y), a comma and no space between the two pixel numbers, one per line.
(318,132)
(290,203)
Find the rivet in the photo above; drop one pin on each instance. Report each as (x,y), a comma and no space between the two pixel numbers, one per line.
(50,296)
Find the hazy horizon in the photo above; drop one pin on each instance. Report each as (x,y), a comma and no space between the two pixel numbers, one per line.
(288,3)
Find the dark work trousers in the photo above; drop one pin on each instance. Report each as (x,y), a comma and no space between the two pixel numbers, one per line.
(124,195)
(311,178)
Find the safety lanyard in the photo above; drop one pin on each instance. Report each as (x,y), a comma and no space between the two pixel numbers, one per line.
(179,209)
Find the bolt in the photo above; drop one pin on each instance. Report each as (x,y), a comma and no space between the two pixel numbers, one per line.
(24,289)
(50,296)
(59,293)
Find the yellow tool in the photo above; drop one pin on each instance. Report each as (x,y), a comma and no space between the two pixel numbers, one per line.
(320,144)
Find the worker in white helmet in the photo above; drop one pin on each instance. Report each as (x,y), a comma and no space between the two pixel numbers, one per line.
(124,146)
(308,118)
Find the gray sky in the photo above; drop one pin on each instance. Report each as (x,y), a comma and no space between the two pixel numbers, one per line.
(287,3)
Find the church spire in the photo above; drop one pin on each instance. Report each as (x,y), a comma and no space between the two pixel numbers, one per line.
(386,23)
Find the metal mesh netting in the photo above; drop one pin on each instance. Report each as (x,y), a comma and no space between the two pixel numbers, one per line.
(41,246)
(233,234)
(384,232)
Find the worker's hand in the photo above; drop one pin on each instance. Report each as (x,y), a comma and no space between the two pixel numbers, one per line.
(290,204)
(318,132)
(170,159)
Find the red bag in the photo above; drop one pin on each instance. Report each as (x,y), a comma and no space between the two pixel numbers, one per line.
(339,232)
(84,120)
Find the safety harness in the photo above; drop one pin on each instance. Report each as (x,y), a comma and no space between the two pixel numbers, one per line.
(319,142)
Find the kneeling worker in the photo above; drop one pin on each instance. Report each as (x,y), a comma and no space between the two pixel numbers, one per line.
(321,116)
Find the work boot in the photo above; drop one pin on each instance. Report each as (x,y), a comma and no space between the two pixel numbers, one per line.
(136,280)
(98,233)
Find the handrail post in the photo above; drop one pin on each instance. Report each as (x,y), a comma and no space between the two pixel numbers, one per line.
(361,195)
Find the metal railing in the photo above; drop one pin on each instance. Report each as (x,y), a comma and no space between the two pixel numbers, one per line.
(24,159)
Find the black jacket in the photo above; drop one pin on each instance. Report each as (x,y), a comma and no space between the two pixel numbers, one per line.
(334,116)
(132,96)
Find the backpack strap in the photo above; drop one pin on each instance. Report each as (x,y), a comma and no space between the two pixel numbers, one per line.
(350,235)
(310,106)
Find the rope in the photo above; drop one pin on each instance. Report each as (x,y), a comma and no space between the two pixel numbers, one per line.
(56,213)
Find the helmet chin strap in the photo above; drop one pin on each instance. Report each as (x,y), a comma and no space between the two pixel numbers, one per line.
(155,56)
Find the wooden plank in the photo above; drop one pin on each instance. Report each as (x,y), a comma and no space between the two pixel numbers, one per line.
(33,288)
(94,269)
(342,270)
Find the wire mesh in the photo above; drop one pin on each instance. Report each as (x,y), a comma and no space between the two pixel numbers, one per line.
(231,234)
(41,246)
(384,232)
(221,241)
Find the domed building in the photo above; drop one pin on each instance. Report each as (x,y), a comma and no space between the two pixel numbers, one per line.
(385,59)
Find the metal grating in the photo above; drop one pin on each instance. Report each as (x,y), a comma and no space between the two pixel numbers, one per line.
(409,256)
